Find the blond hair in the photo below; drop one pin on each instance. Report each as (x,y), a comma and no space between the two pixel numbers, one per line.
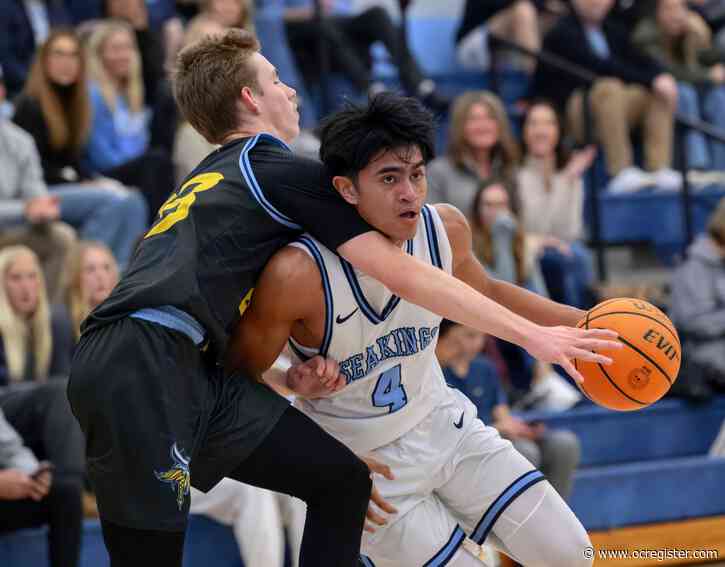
(68,126)
(505,153)
(76,299)
(208,77)
(133,91)
(16,331)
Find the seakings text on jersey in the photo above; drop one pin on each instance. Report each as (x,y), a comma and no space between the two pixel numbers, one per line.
(405,341)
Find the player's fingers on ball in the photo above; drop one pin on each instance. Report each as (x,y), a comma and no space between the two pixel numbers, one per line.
(332,370)
(318,365)
(599,344)
(589,356)
(606,334)
(566,364)
(368,528)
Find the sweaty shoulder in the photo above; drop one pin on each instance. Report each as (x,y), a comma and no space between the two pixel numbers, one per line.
(455,221)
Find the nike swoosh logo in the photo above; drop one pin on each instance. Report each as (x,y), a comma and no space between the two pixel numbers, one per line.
(341,320)
(459,423)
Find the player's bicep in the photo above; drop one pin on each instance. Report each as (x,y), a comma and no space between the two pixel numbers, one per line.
(262,332)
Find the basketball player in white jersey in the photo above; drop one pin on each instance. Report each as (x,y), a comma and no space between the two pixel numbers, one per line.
(457,482)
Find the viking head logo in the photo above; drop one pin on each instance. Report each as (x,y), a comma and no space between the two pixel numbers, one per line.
(178,477)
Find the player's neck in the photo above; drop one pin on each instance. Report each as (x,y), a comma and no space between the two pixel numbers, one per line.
(251,130)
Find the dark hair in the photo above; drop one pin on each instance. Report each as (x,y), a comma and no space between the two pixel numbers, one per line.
(445,326)
(352,137)
(562,149)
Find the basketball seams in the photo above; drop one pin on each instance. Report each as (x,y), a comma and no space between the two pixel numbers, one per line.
(646,357)
(603,304)
(673,333)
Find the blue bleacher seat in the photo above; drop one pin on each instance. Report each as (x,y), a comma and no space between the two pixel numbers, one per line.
(670,428)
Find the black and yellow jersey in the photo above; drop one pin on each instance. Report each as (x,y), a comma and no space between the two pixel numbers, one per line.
(213,236)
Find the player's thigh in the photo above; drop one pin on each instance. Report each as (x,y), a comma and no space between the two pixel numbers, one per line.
(427,535)
(139,392)
(484,477)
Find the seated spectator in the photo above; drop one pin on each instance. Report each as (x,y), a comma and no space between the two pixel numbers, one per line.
(157,89)
(515,20)
(118,144)
(555,452)
(551,190)
(94,275)
(348,37)
(33,494)
(681,42)
(28,215)
(54,108)
(229,13)
(697,304)
(24,26)
(35,344)
(480,146)
(632,90)
(499,240)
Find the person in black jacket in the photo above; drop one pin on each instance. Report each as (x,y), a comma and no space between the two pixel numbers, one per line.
(631,90)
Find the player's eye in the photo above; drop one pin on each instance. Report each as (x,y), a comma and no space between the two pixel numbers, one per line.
(417,175)
(389,179)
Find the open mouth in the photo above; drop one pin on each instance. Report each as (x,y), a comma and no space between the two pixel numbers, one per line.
(409,215)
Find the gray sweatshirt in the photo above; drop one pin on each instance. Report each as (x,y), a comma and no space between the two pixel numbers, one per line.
(13,454)
(22,176)
(698,301)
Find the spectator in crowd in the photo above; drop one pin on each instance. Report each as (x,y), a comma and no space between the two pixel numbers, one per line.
(632,90)
(118,144)
(555,452)
(25,25)
(94,275)
(515,20)
(54,108)
(681,41)
(551,190)
(229,13)
(348,37)
(28,215)
(35,343)
(697,305)
(31,494)
(480,146)
(499,240)
(157,89)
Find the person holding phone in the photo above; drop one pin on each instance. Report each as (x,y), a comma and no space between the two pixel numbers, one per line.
(30,496)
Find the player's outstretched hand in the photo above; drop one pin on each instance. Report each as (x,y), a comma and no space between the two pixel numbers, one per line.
(561,345)
(315,378)
(373,517)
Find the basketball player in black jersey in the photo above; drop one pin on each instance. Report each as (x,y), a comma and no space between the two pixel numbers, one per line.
(147,385)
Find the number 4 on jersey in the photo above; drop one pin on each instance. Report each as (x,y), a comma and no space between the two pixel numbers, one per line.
(389,391)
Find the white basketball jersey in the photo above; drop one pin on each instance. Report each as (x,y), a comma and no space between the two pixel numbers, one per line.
(385,346)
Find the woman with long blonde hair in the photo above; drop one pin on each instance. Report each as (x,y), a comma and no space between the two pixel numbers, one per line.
(480,145)
(27,341)
(119,141)
(55,109)
(93,277)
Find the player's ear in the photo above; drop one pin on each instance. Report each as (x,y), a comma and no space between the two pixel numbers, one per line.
(346,188)
(249,100)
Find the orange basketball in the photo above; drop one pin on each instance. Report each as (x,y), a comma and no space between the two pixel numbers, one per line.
(642,371)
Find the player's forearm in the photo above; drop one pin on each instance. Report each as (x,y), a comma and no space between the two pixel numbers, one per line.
(453,299)
(532,306)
